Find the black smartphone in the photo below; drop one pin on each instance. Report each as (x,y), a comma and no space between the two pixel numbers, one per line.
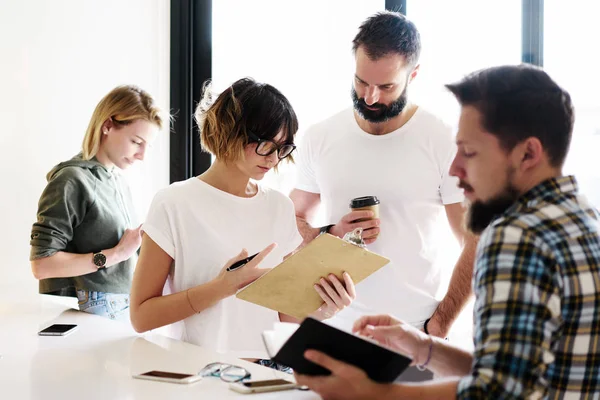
(171,377)
(241,263)
(58,330)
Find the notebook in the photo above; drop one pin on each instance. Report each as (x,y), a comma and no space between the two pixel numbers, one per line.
(289,287)
(286,345)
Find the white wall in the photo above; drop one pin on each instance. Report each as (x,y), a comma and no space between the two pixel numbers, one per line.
(58,58)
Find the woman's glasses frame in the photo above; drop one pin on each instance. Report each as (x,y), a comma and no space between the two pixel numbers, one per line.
(266,147)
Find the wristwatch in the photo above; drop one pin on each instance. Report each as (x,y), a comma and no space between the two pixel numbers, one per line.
(325,229)
(99,260)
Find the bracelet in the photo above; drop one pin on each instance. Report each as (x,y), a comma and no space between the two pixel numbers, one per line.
(187,293)
(425,326)
(423,367)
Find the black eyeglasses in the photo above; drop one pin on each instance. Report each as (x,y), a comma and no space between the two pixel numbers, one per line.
(227,372)
(267,147)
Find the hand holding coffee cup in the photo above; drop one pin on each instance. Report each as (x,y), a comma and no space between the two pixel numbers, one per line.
(364,214)
(370,203)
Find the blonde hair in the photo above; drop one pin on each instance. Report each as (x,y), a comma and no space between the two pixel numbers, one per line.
(245,106)
(123,105)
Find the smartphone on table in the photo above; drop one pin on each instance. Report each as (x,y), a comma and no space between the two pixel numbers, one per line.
(270,385)
(170,377)
(58,330)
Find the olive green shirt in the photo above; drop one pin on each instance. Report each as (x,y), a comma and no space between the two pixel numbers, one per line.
(85,208)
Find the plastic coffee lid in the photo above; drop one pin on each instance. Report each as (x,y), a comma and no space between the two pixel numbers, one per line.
(366,201)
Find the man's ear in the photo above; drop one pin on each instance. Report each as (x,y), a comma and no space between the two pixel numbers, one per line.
(531,153)
(414,73)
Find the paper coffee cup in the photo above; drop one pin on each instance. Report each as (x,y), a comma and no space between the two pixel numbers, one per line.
(370,203)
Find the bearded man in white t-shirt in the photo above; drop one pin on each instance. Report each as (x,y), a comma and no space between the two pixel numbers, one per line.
(388,147)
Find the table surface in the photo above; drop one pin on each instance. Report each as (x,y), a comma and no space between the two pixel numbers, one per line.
(97,361)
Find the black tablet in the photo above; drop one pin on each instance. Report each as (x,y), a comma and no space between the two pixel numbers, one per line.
(380,364)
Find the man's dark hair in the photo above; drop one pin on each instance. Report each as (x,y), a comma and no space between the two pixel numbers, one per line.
(389,33)
(518,102)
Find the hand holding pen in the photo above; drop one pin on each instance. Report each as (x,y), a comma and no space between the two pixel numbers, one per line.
(240,263)
(243,269)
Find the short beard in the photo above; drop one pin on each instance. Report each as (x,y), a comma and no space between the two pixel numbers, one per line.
(384,113)
(480,214)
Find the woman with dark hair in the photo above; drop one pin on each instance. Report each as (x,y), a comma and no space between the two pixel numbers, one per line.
(195,229)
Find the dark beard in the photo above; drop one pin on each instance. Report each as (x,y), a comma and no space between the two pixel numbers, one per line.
(480,214)
(383,113)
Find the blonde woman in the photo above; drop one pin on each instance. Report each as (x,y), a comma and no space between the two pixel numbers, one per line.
(197,228)
(85,239)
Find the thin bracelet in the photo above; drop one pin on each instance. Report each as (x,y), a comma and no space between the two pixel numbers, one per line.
(424,366)
(425,326)
(187,292)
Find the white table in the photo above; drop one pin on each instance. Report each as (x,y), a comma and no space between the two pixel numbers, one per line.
(98,360)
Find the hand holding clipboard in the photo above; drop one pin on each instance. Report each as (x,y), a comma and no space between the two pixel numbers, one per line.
(289,287)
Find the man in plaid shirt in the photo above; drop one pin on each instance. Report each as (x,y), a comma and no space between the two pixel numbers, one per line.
(537,269)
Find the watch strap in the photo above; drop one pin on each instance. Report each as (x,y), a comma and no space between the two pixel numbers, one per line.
(325,229)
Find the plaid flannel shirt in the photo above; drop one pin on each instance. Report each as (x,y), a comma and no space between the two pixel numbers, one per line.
(537,308)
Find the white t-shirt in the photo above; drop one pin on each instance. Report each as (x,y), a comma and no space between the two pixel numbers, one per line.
(408,171)
(201,228)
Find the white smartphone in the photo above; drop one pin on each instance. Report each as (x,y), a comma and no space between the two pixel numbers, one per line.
(171,377)
(58,330)
(271,385)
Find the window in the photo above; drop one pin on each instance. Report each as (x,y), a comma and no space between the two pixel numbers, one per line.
(569,58)
(303,48)
(459,37)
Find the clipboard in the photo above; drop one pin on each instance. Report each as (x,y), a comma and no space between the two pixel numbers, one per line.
(289,287)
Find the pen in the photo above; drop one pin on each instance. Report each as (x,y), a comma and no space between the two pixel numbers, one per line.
(241,263)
